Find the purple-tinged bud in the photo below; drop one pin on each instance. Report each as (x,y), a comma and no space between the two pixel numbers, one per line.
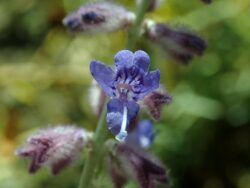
(55,147)
(100,17)
(118,177)
(141,166)
(181,46)
(155,101)
(154,4)
(207,1)
(142,136)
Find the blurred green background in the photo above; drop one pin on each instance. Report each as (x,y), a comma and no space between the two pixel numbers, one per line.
(204,135)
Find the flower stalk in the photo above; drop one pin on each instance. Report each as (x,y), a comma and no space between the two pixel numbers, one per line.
(93,159)
(134,32)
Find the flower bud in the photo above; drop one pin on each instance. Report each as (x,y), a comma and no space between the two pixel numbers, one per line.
(141,166)
(155,101)
(55,147)
(180,45)
(142,136)
(99,17)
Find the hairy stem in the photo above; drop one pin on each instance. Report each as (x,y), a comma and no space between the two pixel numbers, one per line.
(93,159)
(134,32)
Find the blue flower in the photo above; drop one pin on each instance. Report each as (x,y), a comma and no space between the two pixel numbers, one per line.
(143,136)
(128,83)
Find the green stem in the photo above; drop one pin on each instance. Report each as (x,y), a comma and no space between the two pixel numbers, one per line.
(134,32)
(93,159)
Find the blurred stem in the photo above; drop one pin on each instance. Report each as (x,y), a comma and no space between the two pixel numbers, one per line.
(93,159)
(134,32)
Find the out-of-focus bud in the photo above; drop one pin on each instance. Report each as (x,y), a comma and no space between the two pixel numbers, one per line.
(55,147)
(207,1)
(99,17)
(142,136)
(155,101)
(96,98)
(118,177)
(154,4)
(180,45)
(141,166)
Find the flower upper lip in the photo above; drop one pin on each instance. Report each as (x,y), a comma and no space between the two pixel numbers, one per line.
(131,69)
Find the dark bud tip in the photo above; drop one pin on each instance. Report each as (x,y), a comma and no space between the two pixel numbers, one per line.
(207,1)
(191,42)
(72,23)
(92,18)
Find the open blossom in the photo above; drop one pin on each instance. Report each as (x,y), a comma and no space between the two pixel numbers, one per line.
(99,17)
(129,82)
(55,147)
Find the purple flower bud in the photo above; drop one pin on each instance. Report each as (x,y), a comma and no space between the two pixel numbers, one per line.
(99,18)
(141,166)
(181,46)
(155,101)
(55,147)
(118,177)
(142,136)
(154,4)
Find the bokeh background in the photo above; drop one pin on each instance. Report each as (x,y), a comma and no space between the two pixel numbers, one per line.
(203,136)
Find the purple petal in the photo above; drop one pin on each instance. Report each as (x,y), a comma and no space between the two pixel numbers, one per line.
(124,58)
(150,83)
(115,109)
(104,76)
(141,60)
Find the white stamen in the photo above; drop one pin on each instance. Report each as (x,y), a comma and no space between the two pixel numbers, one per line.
(123,133)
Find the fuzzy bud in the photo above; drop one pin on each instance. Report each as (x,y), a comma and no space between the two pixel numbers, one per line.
(55,147)
(100,17)
(141,166)
(155,101)
(182,46)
